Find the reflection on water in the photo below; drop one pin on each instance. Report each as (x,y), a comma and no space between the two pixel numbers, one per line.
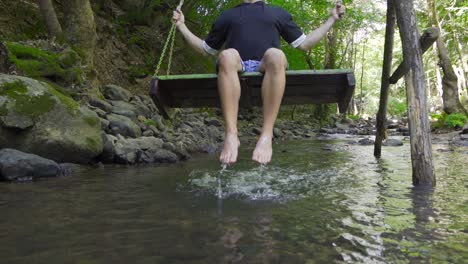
(308,206)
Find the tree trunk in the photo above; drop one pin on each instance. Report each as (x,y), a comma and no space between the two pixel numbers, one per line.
(449,80)
(50,17)
(385,82)
(421,149)
(80,28)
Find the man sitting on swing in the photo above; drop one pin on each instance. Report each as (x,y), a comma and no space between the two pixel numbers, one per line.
(252,33)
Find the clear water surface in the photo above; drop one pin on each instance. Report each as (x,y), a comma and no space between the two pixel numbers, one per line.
(322,201)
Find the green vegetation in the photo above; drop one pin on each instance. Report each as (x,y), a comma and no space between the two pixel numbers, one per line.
(150,122)
(449,121)
(71,104)
(91,120)
(37,63)
(32,106)
(397,107)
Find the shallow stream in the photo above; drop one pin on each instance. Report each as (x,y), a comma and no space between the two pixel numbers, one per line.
(324,201)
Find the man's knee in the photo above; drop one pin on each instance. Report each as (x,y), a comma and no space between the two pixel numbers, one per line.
(275,59)
(229,59)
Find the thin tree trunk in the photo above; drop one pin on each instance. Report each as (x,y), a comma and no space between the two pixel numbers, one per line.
(449,80)
(385,82)
(421,149)
(54,28)
(362,76)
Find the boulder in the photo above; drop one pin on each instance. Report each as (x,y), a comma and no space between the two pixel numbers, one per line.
(114,92)
(38,119)
(366,142)
(122,125)
(124,108)
(17,165)
(101,104)
(393,142)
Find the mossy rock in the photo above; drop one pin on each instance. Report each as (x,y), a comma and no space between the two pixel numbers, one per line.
(38,119)
(62,67)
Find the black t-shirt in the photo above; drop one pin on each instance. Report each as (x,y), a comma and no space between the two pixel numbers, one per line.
(251,29)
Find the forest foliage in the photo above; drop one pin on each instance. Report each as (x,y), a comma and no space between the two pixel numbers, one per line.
(356,42)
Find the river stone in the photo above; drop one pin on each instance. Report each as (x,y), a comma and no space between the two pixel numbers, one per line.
(366,142)
(124,108)
(108,152)
(114,92)
(123,125)
(101,104)
(392,142)
(61,130)
(465,129)
(277,133)
(126,152)
(213,122)
(15,165)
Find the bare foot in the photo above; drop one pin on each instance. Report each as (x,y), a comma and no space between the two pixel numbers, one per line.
(263,151)
(229,153)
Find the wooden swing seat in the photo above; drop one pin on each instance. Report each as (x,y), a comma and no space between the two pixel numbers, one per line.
(302,87)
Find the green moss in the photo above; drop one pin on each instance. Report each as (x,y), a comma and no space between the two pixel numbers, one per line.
(92,121)
(71,104)
(32,106)
(150,122)
(91,143)
(37,63)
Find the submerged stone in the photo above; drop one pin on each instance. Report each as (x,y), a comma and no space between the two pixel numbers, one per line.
(17,165)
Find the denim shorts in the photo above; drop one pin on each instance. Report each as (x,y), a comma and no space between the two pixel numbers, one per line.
(247,66)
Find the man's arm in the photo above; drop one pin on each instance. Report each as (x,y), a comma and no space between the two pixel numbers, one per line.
(315,36)
(194,41)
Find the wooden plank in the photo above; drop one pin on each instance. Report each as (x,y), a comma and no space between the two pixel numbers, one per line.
(302,87)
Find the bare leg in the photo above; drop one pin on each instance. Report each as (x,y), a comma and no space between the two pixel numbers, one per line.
(229,63)
(274,65)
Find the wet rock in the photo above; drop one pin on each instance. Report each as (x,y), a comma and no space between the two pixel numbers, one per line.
(101,104)
(108,153)
(392,124)
(16,165)
(327,147)
(341,126)
(366,142)
(66,169)
(208,147)
(104,123)
(56,126)
(277,133)
(124,108)
(159,156)
(213,122)
(327,131)
(123,125)
(392,142)
(101,113)
(465,129)
(461,140)
(148,133)
(125,152)
(114,92)
(256,131)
